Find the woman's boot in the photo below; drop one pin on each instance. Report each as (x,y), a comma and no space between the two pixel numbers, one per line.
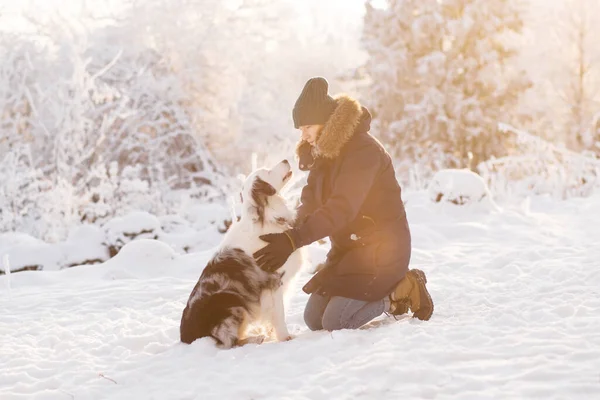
(412,293)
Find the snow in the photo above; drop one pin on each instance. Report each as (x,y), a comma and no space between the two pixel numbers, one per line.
(516,316)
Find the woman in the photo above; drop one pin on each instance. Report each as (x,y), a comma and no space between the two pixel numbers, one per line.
(353,197)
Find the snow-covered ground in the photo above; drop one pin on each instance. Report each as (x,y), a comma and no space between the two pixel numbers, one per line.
(517,315)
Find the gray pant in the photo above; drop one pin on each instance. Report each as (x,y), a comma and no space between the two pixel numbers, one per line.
(334,313)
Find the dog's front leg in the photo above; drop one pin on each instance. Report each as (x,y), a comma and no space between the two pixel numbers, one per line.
(278,317)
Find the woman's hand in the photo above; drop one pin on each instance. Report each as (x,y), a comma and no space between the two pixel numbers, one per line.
(272,257)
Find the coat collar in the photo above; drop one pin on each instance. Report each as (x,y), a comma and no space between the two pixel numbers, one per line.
(338,130)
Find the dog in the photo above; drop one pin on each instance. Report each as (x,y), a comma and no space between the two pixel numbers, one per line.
(233,292)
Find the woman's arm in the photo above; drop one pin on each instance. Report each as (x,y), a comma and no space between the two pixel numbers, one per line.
(359,168)
(358,171)
(307,201)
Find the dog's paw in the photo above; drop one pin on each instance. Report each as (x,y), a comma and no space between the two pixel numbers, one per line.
(260,339)
(286,338)
(253,340)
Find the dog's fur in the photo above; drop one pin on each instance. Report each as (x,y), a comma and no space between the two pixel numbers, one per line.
(233,292)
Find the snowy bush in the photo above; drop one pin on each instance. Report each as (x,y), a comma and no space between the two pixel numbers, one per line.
(198,227)
(34,257)
(121,230)
(177,232)
(86,244)
(203,215)
(25,253)
(458,186)
(191,234)
(90,244)
(540,167)
(140,258)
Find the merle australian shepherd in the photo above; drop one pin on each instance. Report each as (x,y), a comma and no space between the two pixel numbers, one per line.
(233,292)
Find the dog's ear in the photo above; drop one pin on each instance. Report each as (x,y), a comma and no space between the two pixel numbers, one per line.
(261,191)
(261,187)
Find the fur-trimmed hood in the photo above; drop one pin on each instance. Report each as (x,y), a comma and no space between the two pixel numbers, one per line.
(347,118)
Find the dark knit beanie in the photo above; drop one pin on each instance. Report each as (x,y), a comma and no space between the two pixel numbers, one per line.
(315,105)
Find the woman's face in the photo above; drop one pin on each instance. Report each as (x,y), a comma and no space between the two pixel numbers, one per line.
(310,133)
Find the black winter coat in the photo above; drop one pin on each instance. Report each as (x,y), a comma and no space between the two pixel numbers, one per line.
(353,197)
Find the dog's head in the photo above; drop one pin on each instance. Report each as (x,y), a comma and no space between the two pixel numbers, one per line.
(263,184)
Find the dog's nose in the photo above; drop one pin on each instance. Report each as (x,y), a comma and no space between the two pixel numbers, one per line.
(286,162)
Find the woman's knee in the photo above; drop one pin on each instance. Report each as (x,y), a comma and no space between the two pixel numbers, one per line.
(312,321)
(344,313)
(313,312)
(332,324)
(334,317)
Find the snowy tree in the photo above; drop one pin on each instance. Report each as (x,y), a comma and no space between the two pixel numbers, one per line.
(578,85)
(29,201)
(440,77)
(17,78)
(78,99)
(144,105)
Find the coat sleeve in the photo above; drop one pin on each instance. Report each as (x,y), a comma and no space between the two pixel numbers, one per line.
(358,170)
(307,196)
(307,201)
